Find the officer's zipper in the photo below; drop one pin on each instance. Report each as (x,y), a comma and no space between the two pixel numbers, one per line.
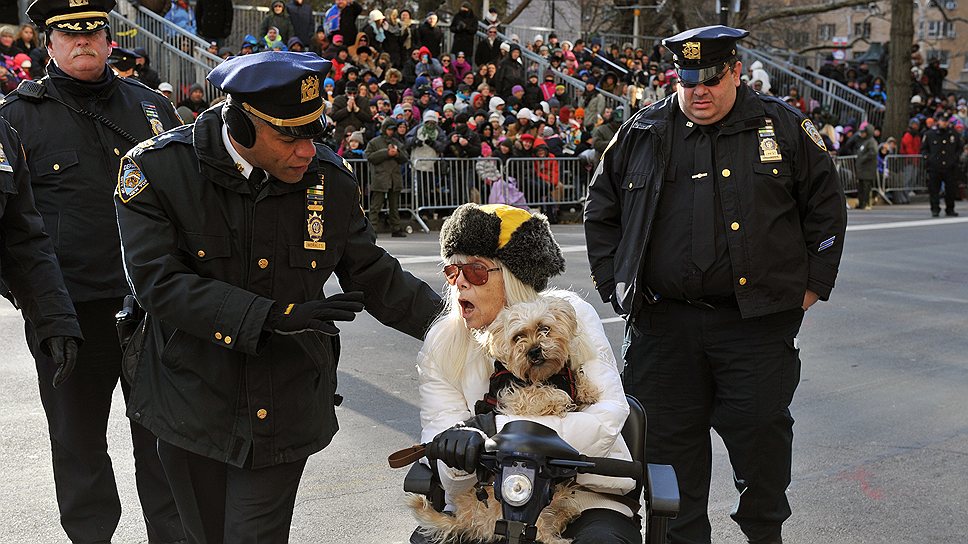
(660,167)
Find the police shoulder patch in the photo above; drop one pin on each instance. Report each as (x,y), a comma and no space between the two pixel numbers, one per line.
(814,134)
(131,180)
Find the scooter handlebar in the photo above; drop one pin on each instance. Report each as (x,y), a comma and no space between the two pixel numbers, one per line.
(604,466)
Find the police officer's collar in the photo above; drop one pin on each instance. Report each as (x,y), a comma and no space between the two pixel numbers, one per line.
(243,166)
(744,109)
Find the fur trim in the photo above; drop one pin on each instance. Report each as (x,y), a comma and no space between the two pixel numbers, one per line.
(531,252)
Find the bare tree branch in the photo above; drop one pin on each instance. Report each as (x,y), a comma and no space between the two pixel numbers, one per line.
(821,47)
(945,16)
(517,11)
(808,9)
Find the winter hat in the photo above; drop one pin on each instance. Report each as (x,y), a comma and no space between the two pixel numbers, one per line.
(548,132)
(564,114)
(505,46)
(450,107)
(376,15)
(496,117)
(293,41)
(437,83)
(495,102)
(538,38)
(357,137)
(525,113)
(430,116)
(398,110)
(520,240)
(517,88)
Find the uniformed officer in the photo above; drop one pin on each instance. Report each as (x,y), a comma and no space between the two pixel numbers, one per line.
(230,228)
(714,220)
(29,274)
(940,148)
(76,123)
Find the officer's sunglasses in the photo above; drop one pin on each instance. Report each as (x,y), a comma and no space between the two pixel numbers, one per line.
(711,82)
(475,273)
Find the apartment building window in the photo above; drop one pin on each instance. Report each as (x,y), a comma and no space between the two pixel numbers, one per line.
(826,32)
(941,29)
(940,54)
(949,29)
(862,30)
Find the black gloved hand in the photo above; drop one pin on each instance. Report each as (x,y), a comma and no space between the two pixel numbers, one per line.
(458,448)
(63,350)
(484,422)
(314,315)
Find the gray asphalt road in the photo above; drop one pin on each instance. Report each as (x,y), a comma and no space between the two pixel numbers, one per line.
(881,447)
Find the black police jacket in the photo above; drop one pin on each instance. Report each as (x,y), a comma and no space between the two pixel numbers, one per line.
(28,266)
(941,149)
(207,252)
(74,161)
(785,220)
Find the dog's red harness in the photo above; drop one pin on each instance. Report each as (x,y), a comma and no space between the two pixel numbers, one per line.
(502,379)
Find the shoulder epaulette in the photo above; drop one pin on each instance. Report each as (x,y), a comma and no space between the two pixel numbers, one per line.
(325,154)
(135,83)
(182,135)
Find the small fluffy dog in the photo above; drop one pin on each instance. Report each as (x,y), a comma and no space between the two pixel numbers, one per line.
(538,345)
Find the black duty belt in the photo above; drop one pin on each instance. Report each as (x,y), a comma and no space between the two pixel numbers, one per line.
(713,303)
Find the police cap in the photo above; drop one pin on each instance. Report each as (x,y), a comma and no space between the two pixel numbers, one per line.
(71,16)
(701,54)
(122,59)
(280,87)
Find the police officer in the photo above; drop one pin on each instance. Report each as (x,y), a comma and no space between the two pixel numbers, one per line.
(714,220)
(31,277)
(76,123)
(230,228)
(940,148)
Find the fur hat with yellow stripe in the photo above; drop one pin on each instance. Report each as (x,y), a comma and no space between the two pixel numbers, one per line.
(520,240)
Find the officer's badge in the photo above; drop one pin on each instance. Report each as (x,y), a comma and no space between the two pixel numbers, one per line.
(4,163)
(151,113)
(77,3)
(314,221)
(690,50)
(131,180)
(310,88)
(769,150)
(814,134)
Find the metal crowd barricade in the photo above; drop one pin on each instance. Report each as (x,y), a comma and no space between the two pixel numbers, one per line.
(362,171)
(903,174)
(846,169)
(549,181)
(446,183)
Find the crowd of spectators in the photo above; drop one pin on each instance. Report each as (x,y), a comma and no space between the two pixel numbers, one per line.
(480,97)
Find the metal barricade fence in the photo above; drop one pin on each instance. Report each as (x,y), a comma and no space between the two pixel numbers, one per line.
(362,171)
(846,169)
(903,173)
(549,181)
(446,183)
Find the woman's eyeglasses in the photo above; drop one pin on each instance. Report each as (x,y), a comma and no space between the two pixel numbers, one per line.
(475,273)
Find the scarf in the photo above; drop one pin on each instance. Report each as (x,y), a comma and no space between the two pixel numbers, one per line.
(76,86)
(502,378)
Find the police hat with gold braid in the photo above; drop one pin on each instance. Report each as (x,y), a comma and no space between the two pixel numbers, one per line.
(71,16)
(520,240)
(702,53)
(281,88)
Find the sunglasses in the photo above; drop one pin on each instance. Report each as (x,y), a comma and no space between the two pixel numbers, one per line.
(711,82)
(475,273)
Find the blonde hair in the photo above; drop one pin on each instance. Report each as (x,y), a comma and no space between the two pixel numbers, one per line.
(451,342)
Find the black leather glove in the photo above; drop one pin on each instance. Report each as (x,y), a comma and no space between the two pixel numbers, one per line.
(484,422)
(458,448)
(314,315)
(63,350)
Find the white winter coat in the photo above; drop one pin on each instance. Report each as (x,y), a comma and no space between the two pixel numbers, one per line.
(594,431)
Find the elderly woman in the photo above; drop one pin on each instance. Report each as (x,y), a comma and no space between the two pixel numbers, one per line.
(496,256)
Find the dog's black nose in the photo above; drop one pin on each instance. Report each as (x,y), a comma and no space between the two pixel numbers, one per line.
(534,354)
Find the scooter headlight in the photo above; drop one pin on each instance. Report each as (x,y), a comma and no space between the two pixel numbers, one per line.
(516,489)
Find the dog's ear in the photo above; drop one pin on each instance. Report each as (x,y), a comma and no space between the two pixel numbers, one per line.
(564,315)
(497,345)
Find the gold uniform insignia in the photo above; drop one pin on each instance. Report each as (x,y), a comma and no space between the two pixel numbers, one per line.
(315,197)
(814,134)
(77,3)
(310,88)
(691,50)
(769,149)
